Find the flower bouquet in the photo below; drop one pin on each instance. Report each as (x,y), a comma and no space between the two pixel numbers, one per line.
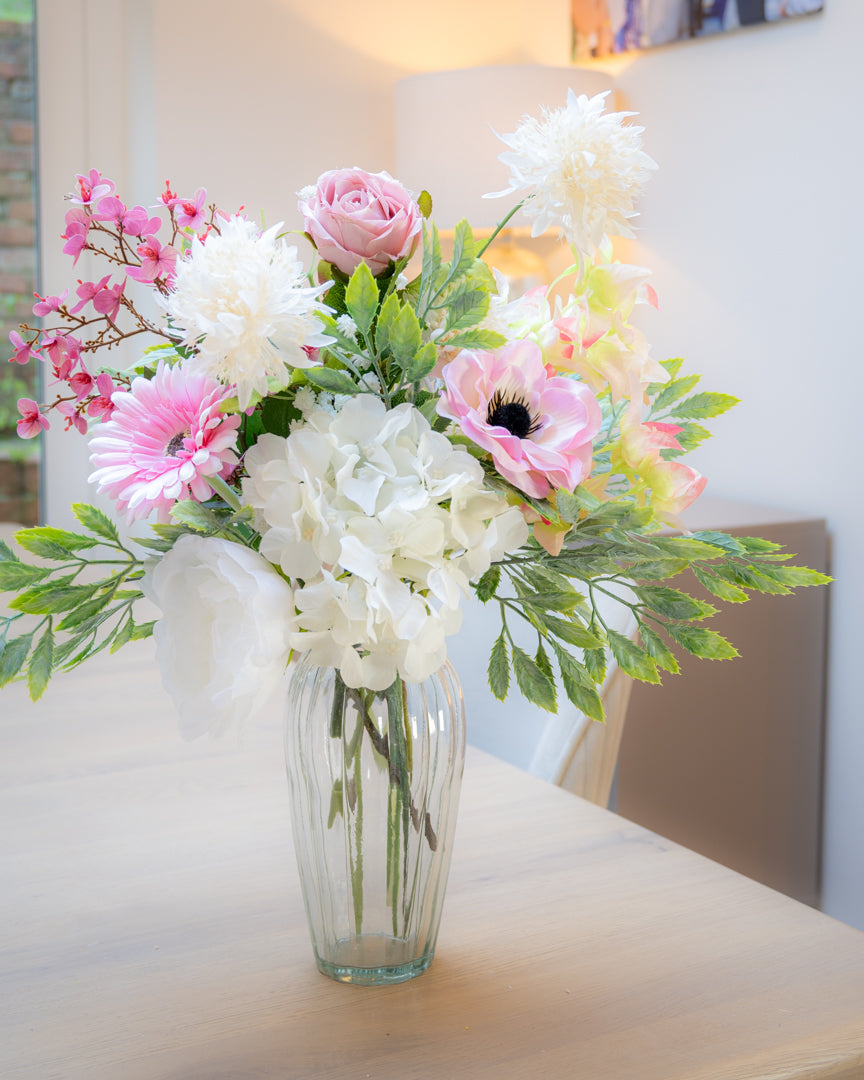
(332,456)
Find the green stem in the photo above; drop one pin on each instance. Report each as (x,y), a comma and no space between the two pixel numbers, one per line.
(226,492)
(501,224)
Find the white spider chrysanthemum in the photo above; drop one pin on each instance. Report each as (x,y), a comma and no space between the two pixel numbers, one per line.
(243,300)
(582,170)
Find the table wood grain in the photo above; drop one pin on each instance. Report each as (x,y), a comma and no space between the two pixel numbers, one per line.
(152,926)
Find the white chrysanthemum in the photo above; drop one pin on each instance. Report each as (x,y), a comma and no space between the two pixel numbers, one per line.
(242,299)
(582,169)
(384,522)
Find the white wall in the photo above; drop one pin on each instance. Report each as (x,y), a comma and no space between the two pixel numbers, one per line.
(753,225)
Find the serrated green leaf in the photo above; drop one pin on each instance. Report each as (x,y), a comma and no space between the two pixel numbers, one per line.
(749,577)
(573,632)
(93,519)
(717,586)
(463,251)
(13,656)
(703,406)
(562,603)
(152,543)
(466,308)
(578,684)
(123,635)
(387,316)
(542,661)
(499,668)
(476,338)
(720,539)
(361,298)
(18,575)
(535,684)
(656,569)
(43,548)
(488,583)
(431,257)
(795,577)
(595,664)
(405,336)
(683,547)
(632,659)
(674,391)
(142,630)
(706,644)
(6,553)
(422,363)
(58,538)
(569,506)
(690,436)
(52,597)
(658,650)
(331,380)
(86,611)
(546,580)
(41,664)
(169,532)
(757,545)
(196,516)
(674,604)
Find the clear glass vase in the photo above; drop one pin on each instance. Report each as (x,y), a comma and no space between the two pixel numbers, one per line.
(374,780)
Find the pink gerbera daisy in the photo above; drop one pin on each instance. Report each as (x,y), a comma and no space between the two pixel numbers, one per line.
(537,427)
(166,435)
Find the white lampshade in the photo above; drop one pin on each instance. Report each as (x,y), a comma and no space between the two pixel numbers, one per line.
(445,131)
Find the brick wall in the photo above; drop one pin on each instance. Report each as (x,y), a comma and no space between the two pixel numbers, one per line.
(18,479)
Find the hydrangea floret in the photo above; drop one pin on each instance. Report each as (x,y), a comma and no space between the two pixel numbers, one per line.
(330,453)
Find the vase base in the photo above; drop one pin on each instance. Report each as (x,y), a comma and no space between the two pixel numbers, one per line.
(373,960)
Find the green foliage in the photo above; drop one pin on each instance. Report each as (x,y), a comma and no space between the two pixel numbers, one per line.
(52,599)
(604,555)
(361,298)
(331,380)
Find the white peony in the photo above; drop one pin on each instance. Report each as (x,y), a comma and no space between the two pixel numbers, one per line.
(222,642)
(242,298)
(582,170)
(382,522)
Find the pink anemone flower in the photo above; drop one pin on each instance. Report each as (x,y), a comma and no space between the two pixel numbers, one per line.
(166,436)
(538,428)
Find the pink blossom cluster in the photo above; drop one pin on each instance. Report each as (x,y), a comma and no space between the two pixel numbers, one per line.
(103,315)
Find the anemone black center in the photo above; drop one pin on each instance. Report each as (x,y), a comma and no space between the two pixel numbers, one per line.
(176,444)
(512,414)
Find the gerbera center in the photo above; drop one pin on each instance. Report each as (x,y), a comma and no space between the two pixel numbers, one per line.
(513,414)
(176,443)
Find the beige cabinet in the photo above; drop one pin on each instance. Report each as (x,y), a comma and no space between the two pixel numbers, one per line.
(726,758)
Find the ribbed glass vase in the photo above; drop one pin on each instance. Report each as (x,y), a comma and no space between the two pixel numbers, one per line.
(374,780)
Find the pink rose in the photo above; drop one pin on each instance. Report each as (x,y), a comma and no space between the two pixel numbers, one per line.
(538,427)
(355,216)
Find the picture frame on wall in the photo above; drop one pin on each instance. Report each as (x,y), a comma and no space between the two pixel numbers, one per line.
(605,27)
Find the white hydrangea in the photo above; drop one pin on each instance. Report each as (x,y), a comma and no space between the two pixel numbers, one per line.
(381,522)
(242,299)
(582,170)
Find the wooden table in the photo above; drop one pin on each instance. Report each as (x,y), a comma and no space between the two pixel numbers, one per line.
(152,927)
